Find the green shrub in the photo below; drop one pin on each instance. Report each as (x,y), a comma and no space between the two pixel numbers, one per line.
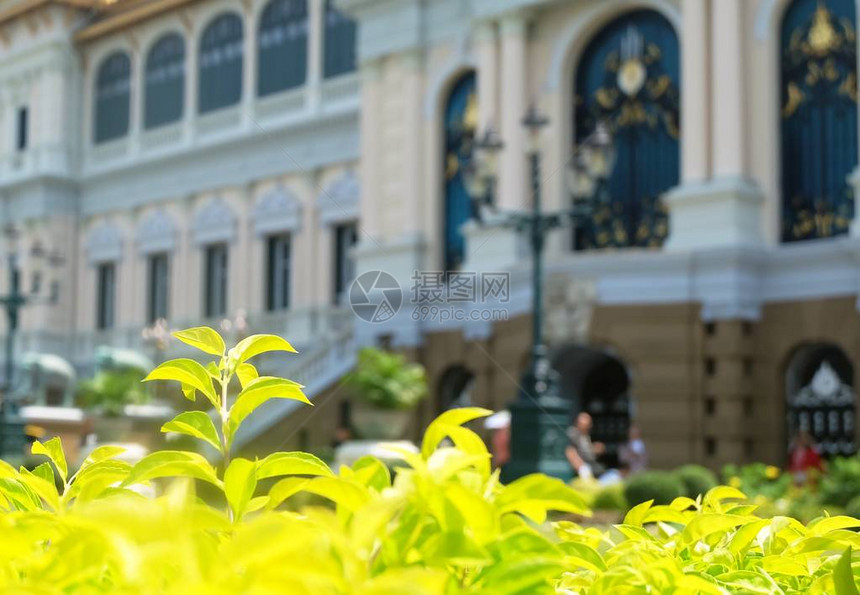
(758,479)
(386,380)
(841,483)
(660,486)
(697,480)
(610,498)
(110,391)
(853,507)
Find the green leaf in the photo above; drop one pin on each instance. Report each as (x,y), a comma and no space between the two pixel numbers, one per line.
(292,463)
(346,494)
(171,463)
(843,576)
(708,523)
(240,481)
(256,393)
(257,344)
(189,373)
(101,453)
(92,481)
(439,428)
(636,515)
(197,424)
(832,523)
(246,373)
(53,449)
(189,392)
(535,494)
(21,495)
(45,489)
(203,338)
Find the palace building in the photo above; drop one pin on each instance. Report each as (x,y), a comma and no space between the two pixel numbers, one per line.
(239,163)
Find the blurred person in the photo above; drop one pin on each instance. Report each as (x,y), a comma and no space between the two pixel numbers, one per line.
(582,453)
(632,455)
(500,439)
(803,456)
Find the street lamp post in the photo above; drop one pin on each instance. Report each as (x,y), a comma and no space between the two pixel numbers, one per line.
(539,415)
(12,438)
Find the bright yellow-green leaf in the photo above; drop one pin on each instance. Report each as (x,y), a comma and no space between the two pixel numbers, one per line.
(438,429)
(259,391)
(535,494)
(21,495)
(292,463)
(53,449)
(189,373)
(95,479)
(636,515)
(246,373)
(172,463)
(240,481)
(45,489)
(708,523)
(194,423)
(825,525)
(102,453)
(843,576)
(257,344)
(203,338)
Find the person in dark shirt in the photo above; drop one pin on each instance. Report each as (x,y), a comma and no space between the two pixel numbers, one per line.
(582,452)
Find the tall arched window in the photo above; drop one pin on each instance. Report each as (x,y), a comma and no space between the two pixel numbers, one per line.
(221,52)
(628,78)
(819,118)
(283,46)
(113,93)
(339,46)
(461,113)
(165,81)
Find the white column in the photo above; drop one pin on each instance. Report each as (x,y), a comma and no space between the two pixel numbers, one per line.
(371,172)
(413,95)
(512,175)
(192,57)
(729,151)
(249,67)
(316,26)
(486,39)
(695,124)
(135,114)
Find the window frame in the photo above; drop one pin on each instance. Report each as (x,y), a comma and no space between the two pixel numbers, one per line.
(164,66)
(216,272)
(279,269)
(105,295)
(158,277)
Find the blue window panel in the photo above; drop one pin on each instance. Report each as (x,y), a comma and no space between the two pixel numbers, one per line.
(629,78)
(283,46)
(460,112)
(339,46)
(165,81)
(819,118)
(221,55)
(113,93)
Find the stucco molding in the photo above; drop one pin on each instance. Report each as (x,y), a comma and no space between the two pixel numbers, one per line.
(277,211)
(104,243)
(214,223)
(156,233)
(339,201)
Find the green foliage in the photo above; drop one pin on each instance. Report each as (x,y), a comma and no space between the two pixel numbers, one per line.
(841,483)
(611,498)
(853,507)
(697,480)
(387,380)
(444,524)
(662,487)
(111,390)
(758,479)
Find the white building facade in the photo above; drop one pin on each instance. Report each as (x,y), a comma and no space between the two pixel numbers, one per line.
(214,161)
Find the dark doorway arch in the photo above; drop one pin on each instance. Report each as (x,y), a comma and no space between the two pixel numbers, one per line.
(819,383)
(598,383)
(455,388)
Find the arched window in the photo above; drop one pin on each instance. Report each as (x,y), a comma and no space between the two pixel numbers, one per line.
(339,47)
(113,93)
(165,81)
(819,386)
(819,118)
(461,113)
(221,51)
(283,46)
(628,78)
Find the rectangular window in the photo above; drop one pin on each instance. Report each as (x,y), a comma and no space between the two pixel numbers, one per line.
(345,238)
(215,282)
(106,298)
(21,140)
(278,290)
(159,277)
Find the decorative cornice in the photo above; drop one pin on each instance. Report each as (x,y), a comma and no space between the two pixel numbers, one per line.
(339,201)
(156,233)
(104,243)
